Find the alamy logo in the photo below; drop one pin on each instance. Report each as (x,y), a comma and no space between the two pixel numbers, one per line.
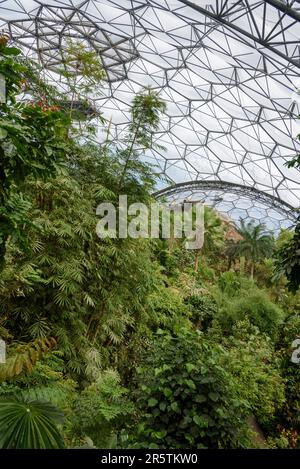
(159,220)
(296,353)
(2,89)
(2,351)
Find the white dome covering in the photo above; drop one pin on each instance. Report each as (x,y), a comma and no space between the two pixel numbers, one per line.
(228,70)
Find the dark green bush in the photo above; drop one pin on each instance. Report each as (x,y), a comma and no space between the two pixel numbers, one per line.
(203,310)
(186,399)
(230,283)
(288,420)
(101,411)
(258,308)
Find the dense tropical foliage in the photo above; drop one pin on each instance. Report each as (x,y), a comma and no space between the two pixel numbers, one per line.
(129,343)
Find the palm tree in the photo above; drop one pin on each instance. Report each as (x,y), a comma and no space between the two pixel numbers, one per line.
(29,424)
(213,235)
(256,244)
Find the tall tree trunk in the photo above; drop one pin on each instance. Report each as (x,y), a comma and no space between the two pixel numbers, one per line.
(130,150)
(197,256)
(252,270)
(171,241)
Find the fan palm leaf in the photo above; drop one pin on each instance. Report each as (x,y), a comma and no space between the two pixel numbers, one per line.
(29,424)
(256,242)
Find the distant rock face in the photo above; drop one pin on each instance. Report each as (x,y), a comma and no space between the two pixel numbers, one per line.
(2,351)
(232,234)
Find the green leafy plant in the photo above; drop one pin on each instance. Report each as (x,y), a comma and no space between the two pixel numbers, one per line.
(255,306)
(287,261)
(253,362)
(213,234)
(136,338)
(186,399)
(29,424)
(204,310)
(230,284)
(31,146)
(24,357)
(101,410)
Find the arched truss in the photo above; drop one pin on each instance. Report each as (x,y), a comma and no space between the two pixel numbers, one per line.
(241,18)
(228,70)
(234,200)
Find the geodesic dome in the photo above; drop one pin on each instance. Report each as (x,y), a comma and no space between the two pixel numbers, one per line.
(228,70)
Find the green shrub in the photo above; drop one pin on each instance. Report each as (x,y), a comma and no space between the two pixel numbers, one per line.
(100,411)
(288,420)
(203,310)
(28,424)
(256,367)
(186,399)
(258,308)
(230,283)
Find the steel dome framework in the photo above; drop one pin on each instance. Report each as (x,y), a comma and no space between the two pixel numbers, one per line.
(228,70)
